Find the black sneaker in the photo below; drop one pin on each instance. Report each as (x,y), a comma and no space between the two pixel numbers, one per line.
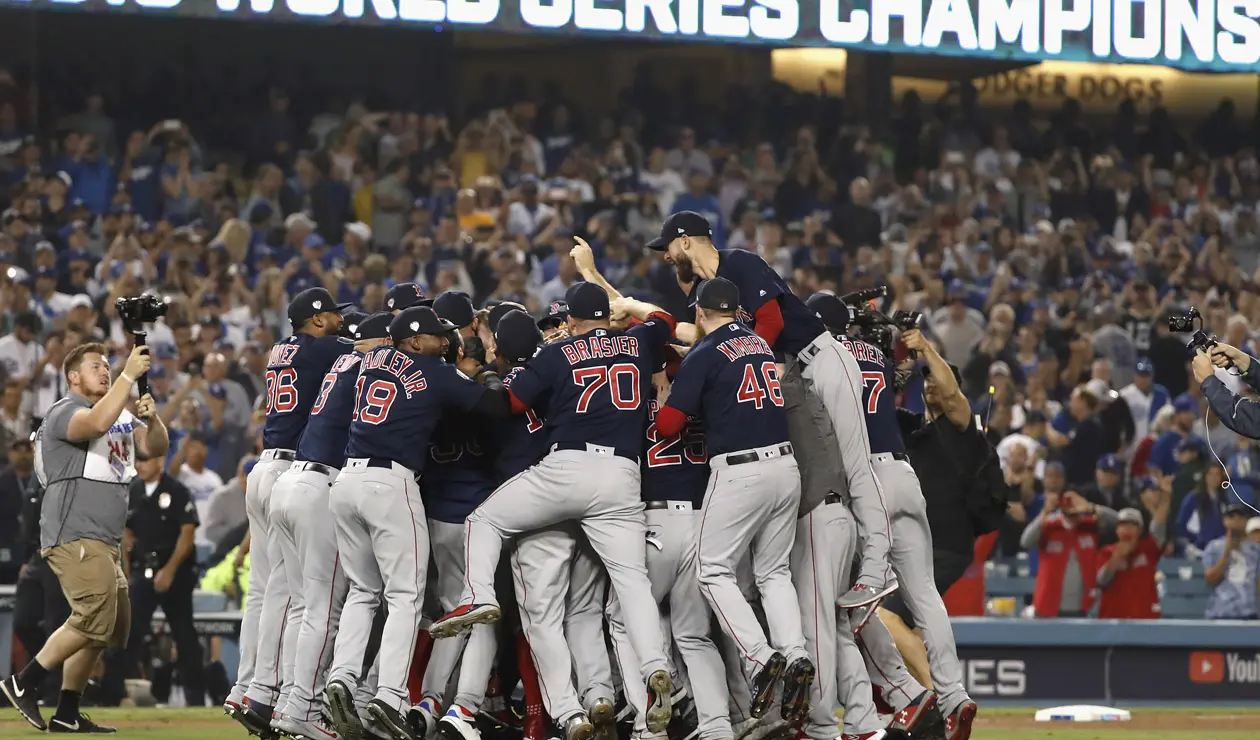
(81,725)
(764,684)
(24,699)
(390,720)
(797,681)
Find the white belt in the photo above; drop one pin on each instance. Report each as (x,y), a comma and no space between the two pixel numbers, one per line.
(276,454)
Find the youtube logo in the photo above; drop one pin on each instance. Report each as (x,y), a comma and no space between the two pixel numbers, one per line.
(1207,667)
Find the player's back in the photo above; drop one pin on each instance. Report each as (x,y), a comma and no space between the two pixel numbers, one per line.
(520,441)
(398,401)
(599,385)
(460,472)
(674,468)
(879,398)
(731,375)
(295,371)
(328,429)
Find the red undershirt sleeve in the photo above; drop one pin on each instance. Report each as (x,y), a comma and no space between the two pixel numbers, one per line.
(670,421)
(518,406)
(769,322)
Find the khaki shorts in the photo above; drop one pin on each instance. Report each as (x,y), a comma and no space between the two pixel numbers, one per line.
(90,573)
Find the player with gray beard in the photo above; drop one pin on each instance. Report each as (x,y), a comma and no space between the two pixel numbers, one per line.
(85,455)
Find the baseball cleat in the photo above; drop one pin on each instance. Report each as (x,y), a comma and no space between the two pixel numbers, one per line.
(660,707)
(24,699)
(914,715)
(864,595)
(423,718)
(341,710)
(458,724)
(463,618)
(390,720)
(764,684)
(958,722)
(604,716)
(320,729)
(578,727)
(257,719)
(797,681)
(81,725)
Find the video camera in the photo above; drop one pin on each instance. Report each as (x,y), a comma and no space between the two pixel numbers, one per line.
(135,312)
(1200,340)
(876,328)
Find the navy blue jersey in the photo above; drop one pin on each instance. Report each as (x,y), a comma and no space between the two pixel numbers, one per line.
(295,371)
(520,441)
(460,474)
(399,399)
(328,430)
(675,468)
(729,380)
(879,399)
(758,283)
(598,385)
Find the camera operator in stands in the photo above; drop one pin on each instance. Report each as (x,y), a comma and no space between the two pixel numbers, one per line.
(1238,413)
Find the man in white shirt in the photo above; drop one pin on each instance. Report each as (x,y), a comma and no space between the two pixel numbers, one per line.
(527,216)
(51,304)
(188,466)
(20,354)
(687,159)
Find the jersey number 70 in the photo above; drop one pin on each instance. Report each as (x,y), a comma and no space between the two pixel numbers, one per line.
(616,378)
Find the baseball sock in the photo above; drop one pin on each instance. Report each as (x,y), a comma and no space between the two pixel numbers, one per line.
(33,674)
(419,662)
(535,717)
(68,706)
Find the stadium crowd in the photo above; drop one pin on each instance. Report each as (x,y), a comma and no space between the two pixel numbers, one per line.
(1045,255)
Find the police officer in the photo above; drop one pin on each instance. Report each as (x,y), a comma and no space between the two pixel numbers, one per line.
(161,522)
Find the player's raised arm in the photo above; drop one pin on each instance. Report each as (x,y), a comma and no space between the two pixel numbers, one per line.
(584,257)
(655,319)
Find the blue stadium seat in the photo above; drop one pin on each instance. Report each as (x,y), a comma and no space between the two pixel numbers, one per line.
(1185,607)
(1179,567)
(209,601)
(1178,588)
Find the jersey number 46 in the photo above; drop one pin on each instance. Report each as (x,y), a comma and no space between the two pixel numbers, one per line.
(756,390)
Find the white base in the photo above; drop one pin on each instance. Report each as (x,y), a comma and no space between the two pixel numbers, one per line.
(1083,713)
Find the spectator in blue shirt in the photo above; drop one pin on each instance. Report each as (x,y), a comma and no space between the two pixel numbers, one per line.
(138,173)
(1164,452)
(92,174)
(1233,569)
(1201,518)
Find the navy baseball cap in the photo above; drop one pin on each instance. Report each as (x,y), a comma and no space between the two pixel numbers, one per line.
(1237,508)
(832,311)
(587,301)
(1144,367)
(499,310)
(1146,483)
(517,338)
(557,314)
(417,320)
(350,323)
(1110,463)
(403,295)
(1185,403)
(456,307)
(1193,442)
(375,326)
(312,302)
(683,223)
(718,294)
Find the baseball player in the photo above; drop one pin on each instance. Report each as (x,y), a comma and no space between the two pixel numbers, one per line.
(822,559)
(675,475)
(382,532)
(460,475)
(593,387)
(300,512)
(729,380)
(295,370)
(813,359)
(403,296)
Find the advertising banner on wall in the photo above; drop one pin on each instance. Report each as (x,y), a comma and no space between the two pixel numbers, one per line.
(1222,36)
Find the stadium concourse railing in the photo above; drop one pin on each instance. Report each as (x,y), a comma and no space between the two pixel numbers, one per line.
(1005,659)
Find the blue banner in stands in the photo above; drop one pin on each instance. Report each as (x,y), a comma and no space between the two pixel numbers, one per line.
(1210,36)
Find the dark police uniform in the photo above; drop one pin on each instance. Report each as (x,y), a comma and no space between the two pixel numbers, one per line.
(155,520)
(40,605)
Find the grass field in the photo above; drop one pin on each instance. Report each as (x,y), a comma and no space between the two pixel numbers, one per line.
(994,724)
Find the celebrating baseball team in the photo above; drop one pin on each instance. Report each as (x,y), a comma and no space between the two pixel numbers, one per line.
(699,514)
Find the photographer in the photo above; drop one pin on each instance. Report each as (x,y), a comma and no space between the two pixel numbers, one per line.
(85,457)
(1239,414)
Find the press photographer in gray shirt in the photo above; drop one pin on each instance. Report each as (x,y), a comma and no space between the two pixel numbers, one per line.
(85,455)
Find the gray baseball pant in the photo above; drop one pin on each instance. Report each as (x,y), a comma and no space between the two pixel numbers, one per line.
(284,537)
(473,652)
(822,562)
(752,506)
(305,517)
(671,562)
(584,624)
(915,568)
(885,666)
(262,626)
(601,492)
(383,538)
(833,374)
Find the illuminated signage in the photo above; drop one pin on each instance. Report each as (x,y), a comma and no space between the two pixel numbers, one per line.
(1221,35)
